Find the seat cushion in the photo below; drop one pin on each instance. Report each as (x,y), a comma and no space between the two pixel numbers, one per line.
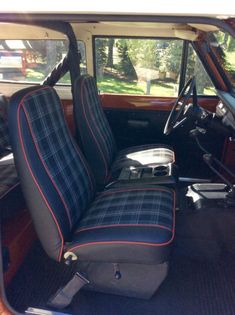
(133,224)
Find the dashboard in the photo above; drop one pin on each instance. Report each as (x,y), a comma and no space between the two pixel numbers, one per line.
(226,109)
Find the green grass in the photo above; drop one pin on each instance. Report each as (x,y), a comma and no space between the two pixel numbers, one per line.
(115,85)
(39,76)
(109,84)
(34,76)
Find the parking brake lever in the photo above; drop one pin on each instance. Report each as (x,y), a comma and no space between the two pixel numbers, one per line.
(209,159)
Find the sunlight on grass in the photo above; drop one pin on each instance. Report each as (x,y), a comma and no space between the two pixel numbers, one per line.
(111,85)
(34,76)
(209,91)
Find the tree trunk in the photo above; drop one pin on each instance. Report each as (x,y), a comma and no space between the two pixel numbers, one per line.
(110,52)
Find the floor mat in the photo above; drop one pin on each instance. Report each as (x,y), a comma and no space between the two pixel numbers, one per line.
(191,288)
(37,280)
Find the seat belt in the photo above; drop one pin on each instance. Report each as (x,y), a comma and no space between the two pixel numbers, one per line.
(64,295)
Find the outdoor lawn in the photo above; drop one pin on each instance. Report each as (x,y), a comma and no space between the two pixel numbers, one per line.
(119,86)
(115,85)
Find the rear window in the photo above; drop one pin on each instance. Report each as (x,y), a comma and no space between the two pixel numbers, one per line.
(32,60)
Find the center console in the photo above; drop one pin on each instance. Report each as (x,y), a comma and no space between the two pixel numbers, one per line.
(155,174)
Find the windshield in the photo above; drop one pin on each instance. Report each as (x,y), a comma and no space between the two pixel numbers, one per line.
(223,46)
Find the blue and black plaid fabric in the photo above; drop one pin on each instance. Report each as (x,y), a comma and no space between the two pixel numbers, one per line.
(4,137)
(96,117)
(58,152)
(8,175)
(130,206)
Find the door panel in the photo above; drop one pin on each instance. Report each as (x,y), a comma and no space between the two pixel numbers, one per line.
(117,101)
(139,120)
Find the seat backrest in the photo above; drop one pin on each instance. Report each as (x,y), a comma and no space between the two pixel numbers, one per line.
(9,182)
(56,181)
(93,129)
(4,135)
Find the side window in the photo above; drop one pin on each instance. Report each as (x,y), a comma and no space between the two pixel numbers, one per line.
(196,68)
(29,60)
(138,66)
(32,60)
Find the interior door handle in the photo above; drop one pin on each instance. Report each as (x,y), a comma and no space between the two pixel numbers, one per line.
(135,123)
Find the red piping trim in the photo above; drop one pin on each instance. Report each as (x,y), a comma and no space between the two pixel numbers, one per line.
(124,225)
(45,167)
(134,243)
(30,170)
(91,131)
(43,163)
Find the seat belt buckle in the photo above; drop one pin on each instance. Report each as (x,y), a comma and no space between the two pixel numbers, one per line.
(64,295)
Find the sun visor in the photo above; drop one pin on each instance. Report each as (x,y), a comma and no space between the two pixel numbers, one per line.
(186,34)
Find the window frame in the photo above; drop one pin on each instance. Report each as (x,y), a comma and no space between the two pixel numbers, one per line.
(36,82)
(58,84)
(183,62)
(136,37)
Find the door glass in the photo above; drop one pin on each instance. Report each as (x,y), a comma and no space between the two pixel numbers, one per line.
(138,66)
(196,68)
(223,46)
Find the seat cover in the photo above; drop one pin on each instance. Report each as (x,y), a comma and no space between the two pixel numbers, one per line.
(97,140)
(133,217)
(119,225)
(93,129)
(55,178)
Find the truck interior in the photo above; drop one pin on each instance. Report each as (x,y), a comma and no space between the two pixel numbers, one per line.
(117,165)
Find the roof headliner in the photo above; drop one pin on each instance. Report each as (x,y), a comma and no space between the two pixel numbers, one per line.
(185,31)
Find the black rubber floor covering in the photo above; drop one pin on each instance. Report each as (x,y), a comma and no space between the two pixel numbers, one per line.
(191,288)
(37,280)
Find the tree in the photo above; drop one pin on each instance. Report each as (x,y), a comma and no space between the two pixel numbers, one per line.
(100,55)
(125,64)
(110,52)
(144,53)
(173,54)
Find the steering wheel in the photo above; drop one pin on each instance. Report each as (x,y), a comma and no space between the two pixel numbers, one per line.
(178,114)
